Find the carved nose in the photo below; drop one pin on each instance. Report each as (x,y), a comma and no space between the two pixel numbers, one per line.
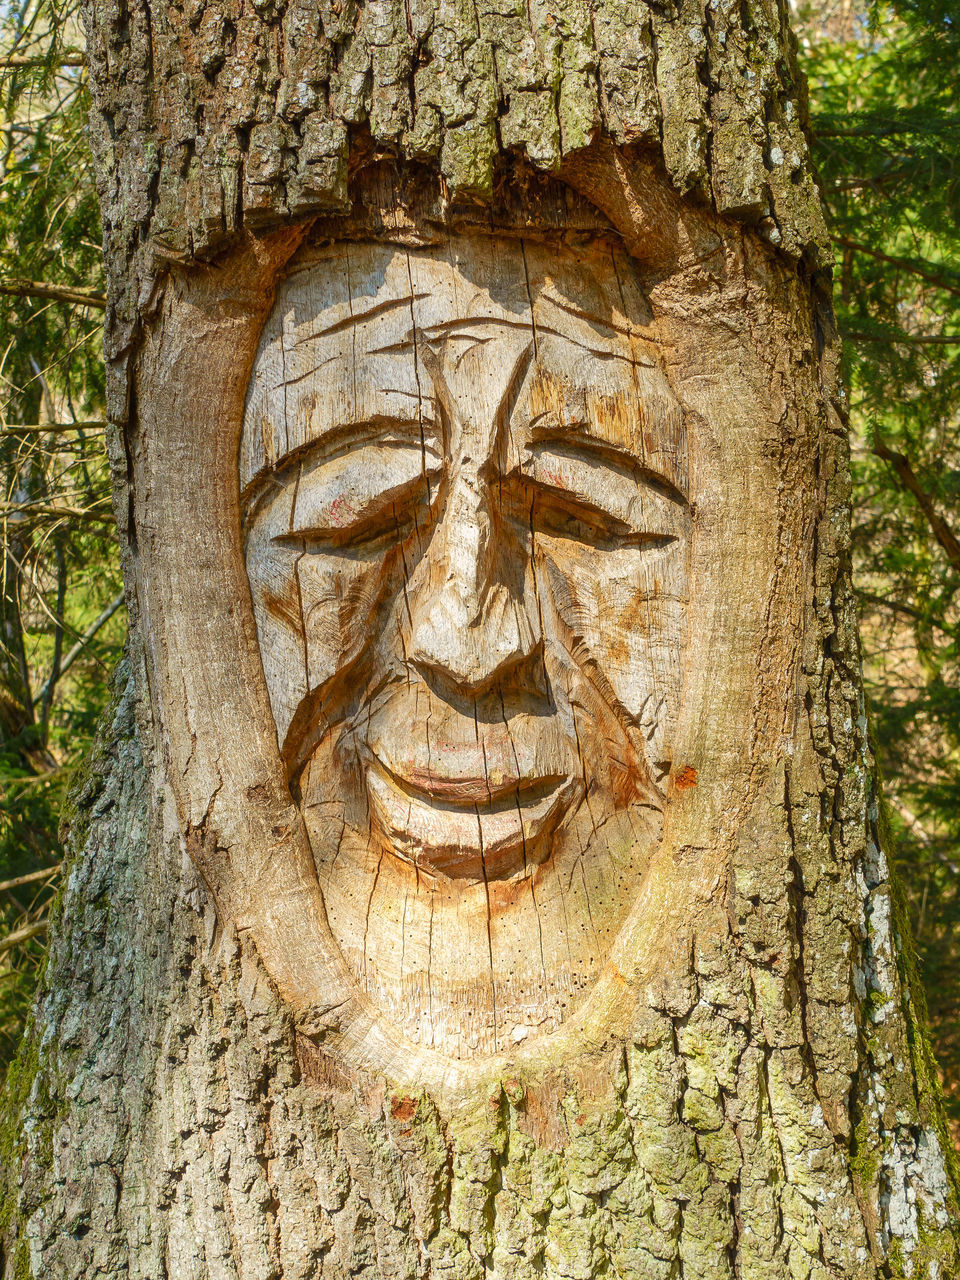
(467,624)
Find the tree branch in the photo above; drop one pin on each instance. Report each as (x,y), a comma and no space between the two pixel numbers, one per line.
(46,694)
(914,825)
(30,428)
(894,606)
(75,650)
(905,263)
(65,60)
(915,339)
(31,878)
(910,481)
(904,610)
(35,511)
(22,935)
(56,292)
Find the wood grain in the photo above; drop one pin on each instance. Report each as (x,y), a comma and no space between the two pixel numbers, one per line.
(467,533)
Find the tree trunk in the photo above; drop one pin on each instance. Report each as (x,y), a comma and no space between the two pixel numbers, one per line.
(481,872)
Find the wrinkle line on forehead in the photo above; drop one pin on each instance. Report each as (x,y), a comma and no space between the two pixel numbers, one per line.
(442,327)
(392,305)
(292,381)
(360,317)
(449,327)
(591,318)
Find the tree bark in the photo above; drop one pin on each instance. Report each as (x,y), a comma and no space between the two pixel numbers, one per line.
(209,1086)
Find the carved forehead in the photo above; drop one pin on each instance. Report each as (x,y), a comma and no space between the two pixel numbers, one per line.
(338,347)
(588,296)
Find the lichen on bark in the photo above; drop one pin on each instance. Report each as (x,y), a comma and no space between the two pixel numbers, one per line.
(215,116)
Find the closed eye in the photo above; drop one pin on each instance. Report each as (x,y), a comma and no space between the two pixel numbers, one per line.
(573,441)
(554,513)
(592,497)
(361,498)
(387,432)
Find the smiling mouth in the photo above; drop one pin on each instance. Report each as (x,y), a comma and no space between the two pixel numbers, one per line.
(472,794)
(467,827)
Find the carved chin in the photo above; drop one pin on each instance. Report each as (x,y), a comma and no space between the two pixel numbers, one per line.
(471,837)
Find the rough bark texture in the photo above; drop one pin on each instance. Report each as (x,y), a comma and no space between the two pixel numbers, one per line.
(168,1121)
(172,1123)
(756,1100)
(214,116)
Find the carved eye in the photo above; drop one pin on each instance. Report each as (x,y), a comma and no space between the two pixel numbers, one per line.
(364,497)
(566,517)
(586,497)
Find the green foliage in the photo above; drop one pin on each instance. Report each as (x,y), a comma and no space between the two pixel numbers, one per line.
(883,88)
(58,559)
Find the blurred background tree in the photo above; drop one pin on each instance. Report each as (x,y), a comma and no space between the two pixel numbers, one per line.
(883,90)
(60,621)
(884,84)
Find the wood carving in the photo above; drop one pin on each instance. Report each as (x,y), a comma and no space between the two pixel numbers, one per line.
(494,886)
(464,476)
(472,575)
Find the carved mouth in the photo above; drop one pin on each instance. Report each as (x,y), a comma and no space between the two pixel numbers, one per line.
(467,827)
(471,794)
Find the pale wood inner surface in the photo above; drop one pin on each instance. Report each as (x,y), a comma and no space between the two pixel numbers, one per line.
(464,479)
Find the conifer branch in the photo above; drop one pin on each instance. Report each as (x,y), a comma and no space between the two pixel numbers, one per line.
(22,935)
(913,339)
(33,428)
(67,60)
(56,292)
(905,263)
(31,877)
(31,511)
(910,481)
(77,649)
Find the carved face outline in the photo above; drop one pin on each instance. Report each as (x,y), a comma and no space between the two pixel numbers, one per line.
(463,473)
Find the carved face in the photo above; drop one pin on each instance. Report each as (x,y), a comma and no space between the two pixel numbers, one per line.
(463,475)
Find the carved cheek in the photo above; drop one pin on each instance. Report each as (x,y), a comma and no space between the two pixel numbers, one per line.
(340,595)
(271,571)
(313,610)
(624,611)
(642,648)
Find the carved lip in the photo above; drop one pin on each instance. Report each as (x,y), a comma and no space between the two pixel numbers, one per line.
(446,830)
(473,793)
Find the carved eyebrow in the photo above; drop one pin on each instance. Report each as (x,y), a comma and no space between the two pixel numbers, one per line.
(449,327)
(444,328)
(591,318)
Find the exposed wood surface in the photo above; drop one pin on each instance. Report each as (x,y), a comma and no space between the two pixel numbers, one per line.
(725,1010)
(467,535)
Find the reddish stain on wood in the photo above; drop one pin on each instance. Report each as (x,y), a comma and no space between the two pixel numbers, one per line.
(514,1090)
(403,1108)
(685,777)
